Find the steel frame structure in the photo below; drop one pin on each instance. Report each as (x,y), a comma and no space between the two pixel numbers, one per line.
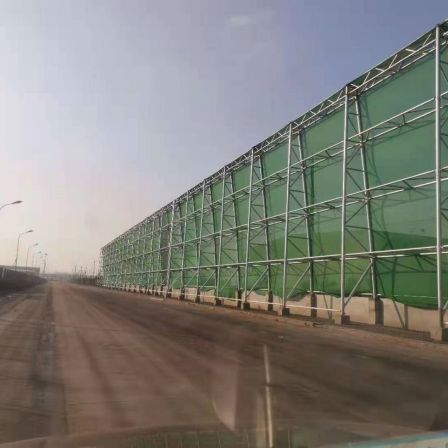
(221,236)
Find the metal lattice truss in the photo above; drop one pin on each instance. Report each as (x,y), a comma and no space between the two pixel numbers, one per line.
(203,243)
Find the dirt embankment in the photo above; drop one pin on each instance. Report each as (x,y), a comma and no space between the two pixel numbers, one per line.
(13,281)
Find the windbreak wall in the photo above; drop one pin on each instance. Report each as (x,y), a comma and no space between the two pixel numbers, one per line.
(348,200)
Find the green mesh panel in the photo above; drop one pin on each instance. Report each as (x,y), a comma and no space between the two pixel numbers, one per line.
(400,220)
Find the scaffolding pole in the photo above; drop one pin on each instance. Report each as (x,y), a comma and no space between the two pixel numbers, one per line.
(344,199)
(286,240)
(249,215)
(439,241)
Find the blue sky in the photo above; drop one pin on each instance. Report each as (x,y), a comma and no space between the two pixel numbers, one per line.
(110,109)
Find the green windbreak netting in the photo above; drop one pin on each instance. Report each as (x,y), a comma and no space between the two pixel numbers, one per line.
(203,240)
(410,280)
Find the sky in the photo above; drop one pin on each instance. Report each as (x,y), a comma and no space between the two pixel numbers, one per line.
(109,109)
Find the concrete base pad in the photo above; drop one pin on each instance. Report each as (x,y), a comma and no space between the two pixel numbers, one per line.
(283,311)
(342,320)
(439,334)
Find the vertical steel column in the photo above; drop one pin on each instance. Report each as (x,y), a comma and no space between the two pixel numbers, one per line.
(343,209)
(136,263)
(218,274)
(119,270)
(124,255)
(111,267)
(134,259)
(367,197)
(131,259)
(116,266)
(151,258)
(307,217)
(286,239)
(200,239)
(249,215)
(127,259)
(183,240)
(136,269)
(170,243)
(116,261)
(127,252)
(142,255)
(439,241)
(119,266)
(266,227)
(159,251)
(236,234)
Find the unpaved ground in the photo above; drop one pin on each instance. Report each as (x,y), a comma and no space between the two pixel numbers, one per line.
(77,359)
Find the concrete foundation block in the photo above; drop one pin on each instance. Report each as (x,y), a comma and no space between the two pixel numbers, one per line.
(270,300)
(238,297)
(439,334)
(340,319)
(283,311)
(313,303)
(375,311)
(245,305)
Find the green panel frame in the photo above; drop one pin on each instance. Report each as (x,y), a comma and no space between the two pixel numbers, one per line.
(350,199)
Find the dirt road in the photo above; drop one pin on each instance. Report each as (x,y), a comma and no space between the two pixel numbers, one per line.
(77,359)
